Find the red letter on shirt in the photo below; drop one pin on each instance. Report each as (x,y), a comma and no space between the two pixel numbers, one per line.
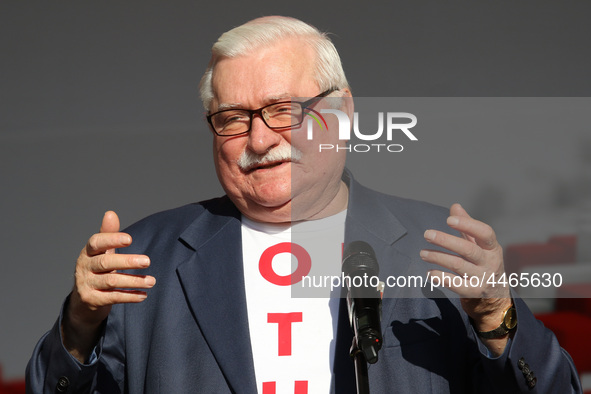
(266,263)
(284,321)
(301,387)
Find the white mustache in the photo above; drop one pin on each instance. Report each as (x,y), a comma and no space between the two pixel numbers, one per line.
(285,152)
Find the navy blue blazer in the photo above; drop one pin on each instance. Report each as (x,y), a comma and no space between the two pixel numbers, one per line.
(191,334)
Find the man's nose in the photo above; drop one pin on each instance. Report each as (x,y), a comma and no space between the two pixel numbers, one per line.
(261,138)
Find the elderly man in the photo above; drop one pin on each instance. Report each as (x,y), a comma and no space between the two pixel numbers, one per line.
(221,320)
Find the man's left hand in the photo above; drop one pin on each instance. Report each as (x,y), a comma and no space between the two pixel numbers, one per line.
(476,255)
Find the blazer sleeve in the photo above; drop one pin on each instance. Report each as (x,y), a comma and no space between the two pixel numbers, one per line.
(52,369)
(533,361)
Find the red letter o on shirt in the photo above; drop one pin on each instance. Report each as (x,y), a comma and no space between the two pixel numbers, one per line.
(266,263)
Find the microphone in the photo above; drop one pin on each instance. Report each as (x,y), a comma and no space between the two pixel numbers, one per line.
(360,269)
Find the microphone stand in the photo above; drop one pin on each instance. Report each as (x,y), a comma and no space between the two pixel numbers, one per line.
(361,376)
(365,309)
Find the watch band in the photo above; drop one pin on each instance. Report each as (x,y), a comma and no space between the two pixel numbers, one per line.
(508,324)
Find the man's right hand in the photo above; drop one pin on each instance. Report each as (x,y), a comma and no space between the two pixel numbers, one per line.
(99,285)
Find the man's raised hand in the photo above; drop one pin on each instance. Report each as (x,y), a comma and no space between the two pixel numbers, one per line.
(99,285)
(475,255)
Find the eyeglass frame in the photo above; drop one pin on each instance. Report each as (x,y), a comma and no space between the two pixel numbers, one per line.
(259,112)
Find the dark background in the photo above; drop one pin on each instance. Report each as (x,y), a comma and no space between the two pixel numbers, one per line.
(100,110)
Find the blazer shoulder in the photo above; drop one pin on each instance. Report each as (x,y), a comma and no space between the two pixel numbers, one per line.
(411,213)
(416,211)
(172,222)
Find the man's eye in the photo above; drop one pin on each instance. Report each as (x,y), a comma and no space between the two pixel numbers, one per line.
(233,117)
(284,109)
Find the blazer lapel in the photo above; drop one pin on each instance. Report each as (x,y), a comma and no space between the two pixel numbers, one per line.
(213,282)
(370,221)
(367,220)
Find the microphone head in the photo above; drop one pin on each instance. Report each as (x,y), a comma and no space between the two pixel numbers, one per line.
(360,256)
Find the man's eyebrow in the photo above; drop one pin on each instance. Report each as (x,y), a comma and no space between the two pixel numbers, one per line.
(224,106)
(268,100)
(278,97)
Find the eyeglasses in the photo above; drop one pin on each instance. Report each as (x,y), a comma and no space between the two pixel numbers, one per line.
(281,115)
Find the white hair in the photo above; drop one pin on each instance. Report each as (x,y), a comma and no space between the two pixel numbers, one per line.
(265,31)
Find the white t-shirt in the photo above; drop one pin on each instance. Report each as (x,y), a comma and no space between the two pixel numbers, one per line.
(292,338)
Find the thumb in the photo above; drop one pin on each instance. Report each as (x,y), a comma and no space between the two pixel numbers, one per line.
(110,223)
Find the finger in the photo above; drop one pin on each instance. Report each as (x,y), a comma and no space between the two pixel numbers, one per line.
(125,296)
(457,210)
(479,232)
(111,262)
(110,223)
(112,281)
(100,298)
(450,261)
(469,250)
(102,242)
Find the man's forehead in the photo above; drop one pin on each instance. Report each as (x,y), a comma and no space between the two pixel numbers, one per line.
(269,99)
(262,77)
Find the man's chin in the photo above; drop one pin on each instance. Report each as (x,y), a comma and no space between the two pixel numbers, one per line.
(278,212)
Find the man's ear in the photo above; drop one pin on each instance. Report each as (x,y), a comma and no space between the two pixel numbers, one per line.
(348,104)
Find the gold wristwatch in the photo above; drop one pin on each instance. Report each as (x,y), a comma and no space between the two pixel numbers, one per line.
(509,323)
